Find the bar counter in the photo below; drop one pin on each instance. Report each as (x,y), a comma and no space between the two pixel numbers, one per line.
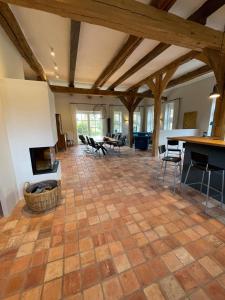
(215,149)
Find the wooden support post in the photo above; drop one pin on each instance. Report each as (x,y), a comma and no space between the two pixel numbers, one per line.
(131,102)
(131,126)
(217,63)
(157,87)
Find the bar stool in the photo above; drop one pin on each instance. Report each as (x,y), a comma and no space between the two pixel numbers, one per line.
(200,161)
(175,160)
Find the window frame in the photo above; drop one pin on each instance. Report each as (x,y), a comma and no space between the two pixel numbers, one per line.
(119,122)
(90,121)
(136,122)
(168,119)
(150,119)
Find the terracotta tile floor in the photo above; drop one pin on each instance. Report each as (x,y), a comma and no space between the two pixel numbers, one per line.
(119,234)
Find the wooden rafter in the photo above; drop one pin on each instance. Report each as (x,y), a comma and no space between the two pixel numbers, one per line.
(163,4)
(97,92)
(141,63)
(133,18)
(127,49)
(14,32)
(179,61)
(207,8)
(199,16)
(74,42)
(189,76)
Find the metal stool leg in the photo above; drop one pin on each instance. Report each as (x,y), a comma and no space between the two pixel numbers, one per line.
(186,177)
(160,168)
(164,172)
(208,186)
(203,175)
(222,189)
(174,179)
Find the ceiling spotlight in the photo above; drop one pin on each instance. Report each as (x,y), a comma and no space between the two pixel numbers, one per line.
(52,52)
(56,67)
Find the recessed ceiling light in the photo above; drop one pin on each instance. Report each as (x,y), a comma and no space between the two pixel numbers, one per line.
(56,67)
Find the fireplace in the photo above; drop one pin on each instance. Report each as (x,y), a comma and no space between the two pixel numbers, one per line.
(43,160)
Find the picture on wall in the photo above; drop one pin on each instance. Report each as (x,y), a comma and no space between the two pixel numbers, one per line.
(190,120)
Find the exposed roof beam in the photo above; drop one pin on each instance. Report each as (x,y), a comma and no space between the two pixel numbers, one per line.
(207,8)
(189,76)
(163,4)
(97,92)
(128,48)
(74,42)
(14,32)
(199,16)
(134,18)
(140,64)
(179,61)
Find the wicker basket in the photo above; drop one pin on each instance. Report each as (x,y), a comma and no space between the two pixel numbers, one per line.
(40,202)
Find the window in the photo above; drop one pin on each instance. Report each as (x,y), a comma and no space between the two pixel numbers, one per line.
(117,121)
(89,123)
(211,118)
(137,121)
(150,119)
(168,116)
(82,123)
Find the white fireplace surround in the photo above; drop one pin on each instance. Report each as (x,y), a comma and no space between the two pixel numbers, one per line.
(29,113)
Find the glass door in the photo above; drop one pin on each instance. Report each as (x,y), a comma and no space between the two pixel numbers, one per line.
(89,123)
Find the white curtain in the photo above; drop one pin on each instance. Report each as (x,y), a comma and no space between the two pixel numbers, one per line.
(73,110)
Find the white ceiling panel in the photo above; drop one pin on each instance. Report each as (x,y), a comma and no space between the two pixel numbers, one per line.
(145,47)
(43,31)
(160,61)
(217,19)
(97,47)
(188,67)
(185,8)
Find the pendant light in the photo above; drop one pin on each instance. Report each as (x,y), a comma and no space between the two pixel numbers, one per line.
(214,94)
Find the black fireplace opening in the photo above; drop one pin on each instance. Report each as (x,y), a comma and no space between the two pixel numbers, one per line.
(43,160)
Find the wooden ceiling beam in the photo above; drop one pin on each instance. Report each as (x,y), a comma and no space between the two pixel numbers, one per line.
(141,63)
(163,4)
(189,76)
(74,42)
(199,16)
(207,8)
(133,18)
(127,49)
(176,63)
(95,92)
(15,34)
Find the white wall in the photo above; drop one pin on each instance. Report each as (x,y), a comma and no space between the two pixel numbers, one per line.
(63,106)
(194,97)
(8,187)
(11,62)
(30,122)
(11,66)
(164,134)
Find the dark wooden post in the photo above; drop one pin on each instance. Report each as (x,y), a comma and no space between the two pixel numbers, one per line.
(216,60)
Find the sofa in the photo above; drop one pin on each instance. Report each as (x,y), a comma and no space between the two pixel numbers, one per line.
(142,140)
